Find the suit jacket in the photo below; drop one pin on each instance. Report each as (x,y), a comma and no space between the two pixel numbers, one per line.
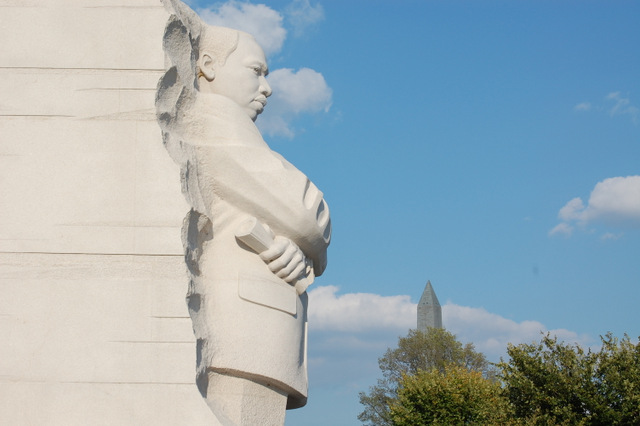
(247,321)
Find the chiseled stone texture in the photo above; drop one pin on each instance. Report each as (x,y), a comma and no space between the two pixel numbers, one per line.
(94,329)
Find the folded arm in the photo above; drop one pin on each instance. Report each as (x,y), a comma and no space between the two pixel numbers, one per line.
(263,184)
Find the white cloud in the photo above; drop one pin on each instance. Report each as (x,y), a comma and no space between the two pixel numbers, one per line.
(583,106)
(610,236)
(294,93)
(562,229)
(623,106)
(301,91)
(359,312)
(614,201)
(490,333)
(615,104)
(349,332)
(571,210)
(301,14)
(264,23)
(346,317)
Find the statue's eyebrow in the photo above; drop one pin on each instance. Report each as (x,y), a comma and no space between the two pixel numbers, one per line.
(263,66)
(259,63)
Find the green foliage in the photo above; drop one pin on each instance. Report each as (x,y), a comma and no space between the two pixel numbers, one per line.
(552,383)
(455,396)
(618,380)
(431,378)
(431,350)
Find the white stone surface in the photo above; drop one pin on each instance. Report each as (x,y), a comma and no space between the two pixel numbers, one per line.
(95,339)
(82,167)
(94,329)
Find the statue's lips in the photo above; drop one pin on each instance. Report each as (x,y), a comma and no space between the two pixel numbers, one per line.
(262,101)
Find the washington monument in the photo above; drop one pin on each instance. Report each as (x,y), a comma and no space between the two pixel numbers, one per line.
(429,310)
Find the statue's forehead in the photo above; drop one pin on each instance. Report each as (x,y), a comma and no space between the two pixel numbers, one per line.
(250,49)
(251,42)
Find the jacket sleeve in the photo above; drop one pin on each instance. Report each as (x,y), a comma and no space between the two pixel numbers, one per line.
(263,184)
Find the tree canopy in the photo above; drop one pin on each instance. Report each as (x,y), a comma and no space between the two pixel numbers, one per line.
(434,349)
(455,396)
(431,378)
(556,383)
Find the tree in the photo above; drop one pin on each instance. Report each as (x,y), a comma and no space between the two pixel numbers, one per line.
(618,380)
(553,383)
(454,397)
(418,351)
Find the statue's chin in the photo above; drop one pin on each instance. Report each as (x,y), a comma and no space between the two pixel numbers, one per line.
(254,112)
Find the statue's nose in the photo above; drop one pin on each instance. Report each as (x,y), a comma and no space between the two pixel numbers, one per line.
(265,89)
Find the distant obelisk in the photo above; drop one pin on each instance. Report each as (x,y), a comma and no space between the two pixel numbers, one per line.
(429,310)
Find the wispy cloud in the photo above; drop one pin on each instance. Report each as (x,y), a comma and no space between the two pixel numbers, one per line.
(614,202)
(611,236)
(301,14)
(583,106)
(562,229)
(614,104)
(622,106)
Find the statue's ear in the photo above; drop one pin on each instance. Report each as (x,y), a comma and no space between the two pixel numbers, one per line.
(207,66)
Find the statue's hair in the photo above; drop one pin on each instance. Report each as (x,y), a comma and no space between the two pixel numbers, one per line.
(219,42)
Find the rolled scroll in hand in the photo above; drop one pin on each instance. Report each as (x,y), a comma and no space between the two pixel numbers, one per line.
(259,239)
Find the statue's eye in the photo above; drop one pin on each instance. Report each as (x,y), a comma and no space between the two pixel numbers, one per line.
(257,70)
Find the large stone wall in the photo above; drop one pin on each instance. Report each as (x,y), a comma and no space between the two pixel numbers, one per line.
(94,329)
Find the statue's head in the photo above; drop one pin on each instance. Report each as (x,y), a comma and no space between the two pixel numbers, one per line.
(232,64)
(210,59)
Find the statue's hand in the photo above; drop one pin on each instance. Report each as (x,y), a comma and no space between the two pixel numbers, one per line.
(285,259)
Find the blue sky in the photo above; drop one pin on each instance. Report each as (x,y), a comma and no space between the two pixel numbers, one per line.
(492,147)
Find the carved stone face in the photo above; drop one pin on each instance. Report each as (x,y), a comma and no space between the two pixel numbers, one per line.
(241,78)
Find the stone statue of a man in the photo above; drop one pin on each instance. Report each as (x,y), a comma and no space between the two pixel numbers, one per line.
(258,230)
